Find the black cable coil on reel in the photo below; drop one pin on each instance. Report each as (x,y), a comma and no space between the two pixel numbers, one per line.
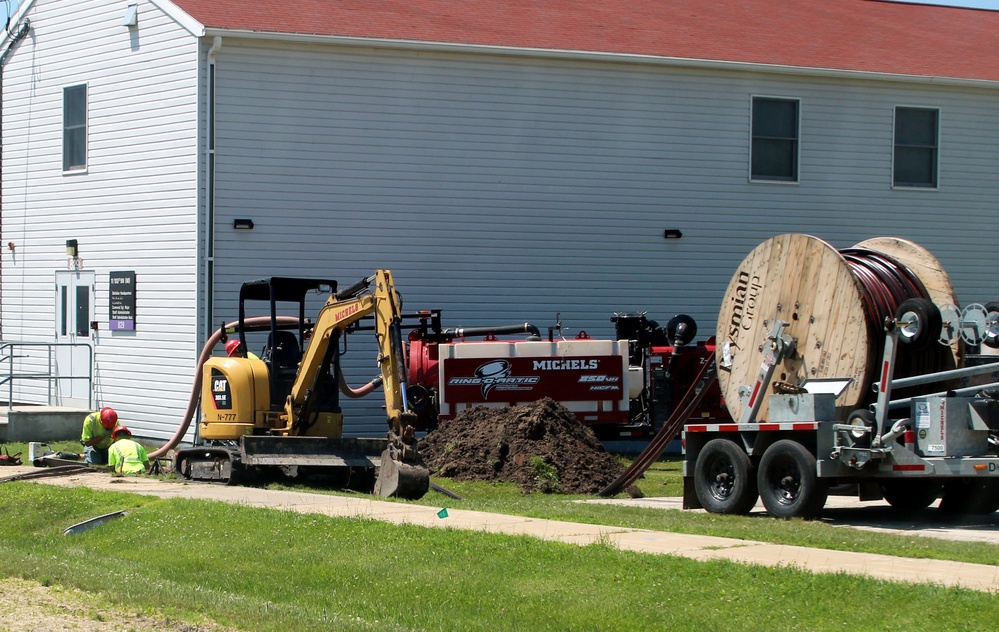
(886,286)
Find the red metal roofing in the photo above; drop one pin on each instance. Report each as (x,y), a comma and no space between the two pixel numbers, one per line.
(854,35)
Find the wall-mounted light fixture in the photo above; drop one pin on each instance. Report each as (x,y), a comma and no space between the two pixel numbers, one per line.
(10,246)
(242,224)
(131,17)
(672,233)
(72,249)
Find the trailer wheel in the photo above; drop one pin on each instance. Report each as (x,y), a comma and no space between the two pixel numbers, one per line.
(976,496)
(788,483)
(911,494)
(724,480)
(920,322)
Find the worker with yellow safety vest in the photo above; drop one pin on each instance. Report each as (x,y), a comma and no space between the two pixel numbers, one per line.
(126,456)
(96,437)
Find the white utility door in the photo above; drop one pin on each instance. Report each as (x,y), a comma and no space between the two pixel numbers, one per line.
(74,302)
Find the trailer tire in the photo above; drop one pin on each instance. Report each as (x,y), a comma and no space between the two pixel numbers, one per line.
(724,480)
(907,494)
(788,483)
(974,496)
(926,322)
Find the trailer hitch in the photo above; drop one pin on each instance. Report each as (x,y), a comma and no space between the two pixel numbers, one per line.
(857,458)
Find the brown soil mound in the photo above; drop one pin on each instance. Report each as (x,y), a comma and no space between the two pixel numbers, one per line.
(539,446)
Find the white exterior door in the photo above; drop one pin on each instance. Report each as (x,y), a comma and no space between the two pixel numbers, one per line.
(74,302)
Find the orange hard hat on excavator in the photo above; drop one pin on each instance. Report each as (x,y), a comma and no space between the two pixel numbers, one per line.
(232,347)
(108,417)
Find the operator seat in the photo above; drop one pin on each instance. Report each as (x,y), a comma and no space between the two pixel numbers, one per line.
(282,354)
(284,350)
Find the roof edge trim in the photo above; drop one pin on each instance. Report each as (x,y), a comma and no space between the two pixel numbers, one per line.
(182,17)
(593,56)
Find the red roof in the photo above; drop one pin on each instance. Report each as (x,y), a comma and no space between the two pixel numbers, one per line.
(855,35)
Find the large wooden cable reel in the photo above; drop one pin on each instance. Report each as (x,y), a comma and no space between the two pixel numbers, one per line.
(806,283)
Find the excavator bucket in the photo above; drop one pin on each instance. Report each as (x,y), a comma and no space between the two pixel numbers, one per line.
(409,480)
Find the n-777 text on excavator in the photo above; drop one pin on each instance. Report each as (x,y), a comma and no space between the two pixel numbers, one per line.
(282,410)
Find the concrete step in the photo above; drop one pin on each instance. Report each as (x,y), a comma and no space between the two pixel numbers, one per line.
(41,423)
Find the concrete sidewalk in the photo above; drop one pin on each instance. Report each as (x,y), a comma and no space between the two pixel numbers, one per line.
(972,576)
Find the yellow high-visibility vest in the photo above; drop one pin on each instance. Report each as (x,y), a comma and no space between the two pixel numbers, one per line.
(127,457)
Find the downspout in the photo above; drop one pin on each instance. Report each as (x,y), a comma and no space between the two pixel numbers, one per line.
(209,206)
(14,39)
(208,292)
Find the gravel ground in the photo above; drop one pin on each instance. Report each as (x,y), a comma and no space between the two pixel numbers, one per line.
(30,606)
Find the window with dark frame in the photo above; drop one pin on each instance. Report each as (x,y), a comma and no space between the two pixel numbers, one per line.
(775,140)
(916,147)
(74,128)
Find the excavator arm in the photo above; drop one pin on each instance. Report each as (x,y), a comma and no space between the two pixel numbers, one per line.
(340,312)
(391,354)
(401,471)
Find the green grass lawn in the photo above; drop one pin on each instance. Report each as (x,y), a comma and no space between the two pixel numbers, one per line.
(664,478)
(259,569)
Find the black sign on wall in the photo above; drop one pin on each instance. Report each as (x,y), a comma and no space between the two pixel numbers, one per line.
(122,294)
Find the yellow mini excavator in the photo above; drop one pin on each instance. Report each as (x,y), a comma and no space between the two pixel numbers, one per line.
(282,409)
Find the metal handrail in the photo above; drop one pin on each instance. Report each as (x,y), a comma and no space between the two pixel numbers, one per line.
(9,351)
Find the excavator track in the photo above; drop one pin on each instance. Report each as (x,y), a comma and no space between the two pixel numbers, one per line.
(397,472)
(208,465)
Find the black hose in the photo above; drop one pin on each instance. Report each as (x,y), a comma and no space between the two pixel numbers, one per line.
(465,332)
(355,289)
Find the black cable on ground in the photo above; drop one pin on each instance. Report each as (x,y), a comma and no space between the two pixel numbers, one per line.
(670,430)
(49,472)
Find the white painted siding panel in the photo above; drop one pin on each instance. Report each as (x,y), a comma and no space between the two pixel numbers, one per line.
(134,209)
(505,190)
(501,190)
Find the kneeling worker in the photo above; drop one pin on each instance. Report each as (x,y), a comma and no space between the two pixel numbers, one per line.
(126,456)
(96,436)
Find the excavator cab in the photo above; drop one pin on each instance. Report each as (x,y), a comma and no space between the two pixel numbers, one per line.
(283,349)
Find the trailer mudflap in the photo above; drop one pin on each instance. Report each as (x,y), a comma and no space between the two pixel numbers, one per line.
(690,500)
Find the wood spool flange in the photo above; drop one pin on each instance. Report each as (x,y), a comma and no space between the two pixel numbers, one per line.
(805,282)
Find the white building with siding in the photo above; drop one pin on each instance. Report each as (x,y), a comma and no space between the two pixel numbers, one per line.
(508,161)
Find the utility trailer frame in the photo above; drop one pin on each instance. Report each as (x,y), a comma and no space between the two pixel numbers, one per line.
(948,447)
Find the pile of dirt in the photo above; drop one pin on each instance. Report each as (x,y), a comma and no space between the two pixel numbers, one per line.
(540,447)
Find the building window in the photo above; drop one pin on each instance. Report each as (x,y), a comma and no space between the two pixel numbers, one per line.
(916,147)
(74,128)
(775,140)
